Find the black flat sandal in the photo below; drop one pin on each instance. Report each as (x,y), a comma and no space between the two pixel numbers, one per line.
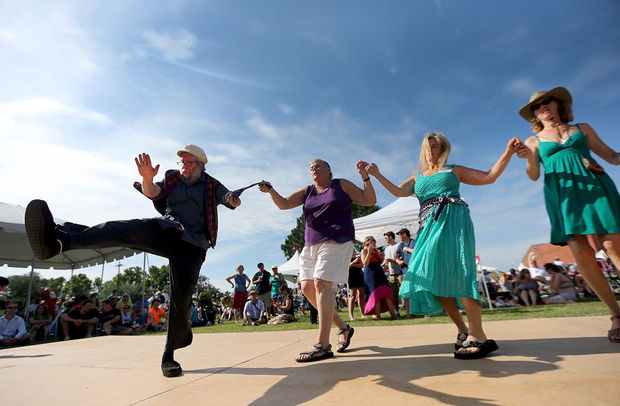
(484,349)
(343,345)
(316,355)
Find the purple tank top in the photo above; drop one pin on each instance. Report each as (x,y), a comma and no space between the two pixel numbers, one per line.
(328,215)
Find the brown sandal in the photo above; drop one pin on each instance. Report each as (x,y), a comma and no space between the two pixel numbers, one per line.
(614,332)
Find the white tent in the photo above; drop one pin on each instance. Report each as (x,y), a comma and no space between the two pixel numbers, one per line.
(402,213)
(290,269)
(15,249)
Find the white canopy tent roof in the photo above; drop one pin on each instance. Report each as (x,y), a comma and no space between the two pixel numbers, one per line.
(15,248)
(290,269)
(402,213)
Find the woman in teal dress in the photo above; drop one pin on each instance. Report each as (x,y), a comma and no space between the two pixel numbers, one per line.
(442,266)
(580,197)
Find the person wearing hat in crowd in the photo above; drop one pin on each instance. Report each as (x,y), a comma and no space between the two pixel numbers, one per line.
(187,199)
(580,197)
(263,288)
(254,310)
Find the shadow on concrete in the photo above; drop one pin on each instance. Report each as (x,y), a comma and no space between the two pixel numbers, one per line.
(24,356)
(399,368)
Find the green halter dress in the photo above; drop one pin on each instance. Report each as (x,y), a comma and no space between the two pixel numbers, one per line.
(578,201)
(443,258)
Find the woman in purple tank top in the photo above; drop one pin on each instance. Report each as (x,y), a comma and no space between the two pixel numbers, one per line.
(329,237)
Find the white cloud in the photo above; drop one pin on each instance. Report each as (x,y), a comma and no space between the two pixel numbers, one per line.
(520,86)
(259,125)
(286,108)
(175,45)
(45,106)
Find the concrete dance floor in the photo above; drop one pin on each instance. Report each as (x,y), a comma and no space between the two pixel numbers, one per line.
(555,361)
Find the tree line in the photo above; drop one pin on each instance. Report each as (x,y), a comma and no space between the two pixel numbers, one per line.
(129,281)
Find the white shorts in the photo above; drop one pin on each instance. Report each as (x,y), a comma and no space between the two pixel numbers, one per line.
(328,261)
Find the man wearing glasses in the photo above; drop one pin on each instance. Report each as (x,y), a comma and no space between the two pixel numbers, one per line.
(12,327)
(187,199)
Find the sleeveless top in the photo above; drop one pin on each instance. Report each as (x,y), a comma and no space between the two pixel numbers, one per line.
(240,283)
(328,215)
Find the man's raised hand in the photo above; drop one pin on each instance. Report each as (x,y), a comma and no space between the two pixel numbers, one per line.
(145,168)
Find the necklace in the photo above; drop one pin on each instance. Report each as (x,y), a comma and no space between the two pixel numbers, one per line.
(564,133)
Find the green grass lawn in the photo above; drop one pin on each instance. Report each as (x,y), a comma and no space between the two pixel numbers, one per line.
(586,307)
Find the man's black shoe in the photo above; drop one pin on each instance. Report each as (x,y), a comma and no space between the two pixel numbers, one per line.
(41,230)
(170,369)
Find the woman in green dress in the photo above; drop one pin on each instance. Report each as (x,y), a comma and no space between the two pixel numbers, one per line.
(442,266)
(581,198)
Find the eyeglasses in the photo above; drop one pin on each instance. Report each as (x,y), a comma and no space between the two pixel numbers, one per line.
(11,307)
(187,163)
(542,103)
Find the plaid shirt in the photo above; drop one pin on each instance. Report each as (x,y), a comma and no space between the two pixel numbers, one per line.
(173,177)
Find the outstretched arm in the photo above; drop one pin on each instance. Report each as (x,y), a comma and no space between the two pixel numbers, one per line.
(283,203)
(405,189)
(476,177)
(146,170)
(597,146)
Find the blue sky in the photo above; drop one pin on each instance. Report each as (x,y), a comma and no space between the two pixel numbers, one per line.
(264,87)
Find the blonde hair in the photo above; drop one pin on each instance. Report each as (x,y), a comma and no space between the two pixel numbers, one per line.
(368,239)
(564,110)
(423,163)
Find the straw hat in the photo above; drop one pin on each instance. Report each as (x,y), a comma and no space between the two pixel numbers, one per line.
(195,151)
(559,93)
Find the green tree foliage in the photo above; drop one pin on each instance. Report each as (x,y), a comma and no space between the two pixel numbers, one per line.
(159,277)
(79,285)
(296,236)
(129,281)
(204,286)
(98,285)
(295,240)
(18,286)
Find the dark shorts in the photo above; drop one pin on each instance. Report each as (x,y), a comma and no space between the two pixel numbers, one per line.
(356,278)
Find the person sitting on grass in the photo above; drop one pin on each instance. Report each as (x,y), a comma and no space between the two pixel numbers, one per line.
(526,289)
(254,311)
(80,322)
(39,323)
(286,308)
(111,320)
(157,319)
(562,290)
(12,327)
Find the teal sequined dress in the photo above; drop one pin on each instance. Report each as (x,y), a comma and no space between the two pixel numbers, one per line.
(443,258)
(578,201)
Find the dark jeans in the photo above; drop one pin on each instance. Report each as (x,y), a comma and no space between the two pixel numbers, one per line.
(147,235)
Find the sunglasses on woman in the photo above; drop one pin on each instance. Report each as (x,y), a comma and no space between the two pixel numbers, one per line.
(542,103)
